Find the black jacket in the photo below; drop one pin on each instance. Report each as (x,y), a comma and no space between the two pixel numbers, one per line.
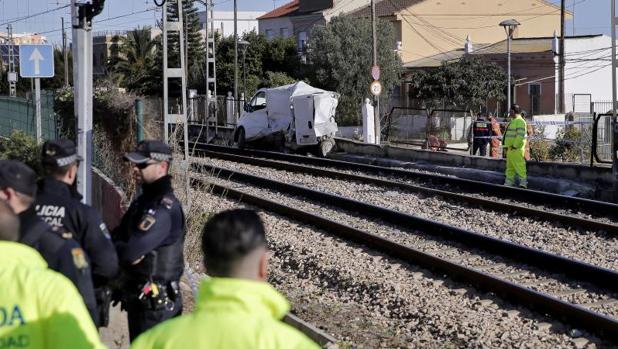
(62,254)
(59,205)
(153,227)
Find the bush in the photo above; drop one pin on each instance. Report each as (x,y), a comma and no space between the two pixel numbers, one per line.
(571,145)
(23,147)
(539,146)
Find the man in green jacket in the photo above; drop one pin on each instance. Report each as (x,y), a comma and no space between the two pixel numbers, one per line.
(236,308)
(39,308)
(514,144)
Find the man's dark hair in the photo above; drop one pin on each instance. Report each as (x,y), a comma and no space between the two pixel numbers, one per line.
(55,171)
(9,223)
(516,108)
(228,237)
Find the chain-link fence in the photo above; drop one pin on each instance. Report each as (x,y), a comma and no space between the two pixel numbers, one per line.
(417,126)
(18,113)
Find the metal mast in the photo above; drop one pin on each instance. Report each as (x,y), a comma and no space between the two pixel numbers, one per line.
(12,75)
(169,118)
(211,59)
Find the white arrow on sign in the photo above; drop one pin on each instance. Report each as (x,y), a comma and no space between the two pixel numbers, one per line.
(37,58)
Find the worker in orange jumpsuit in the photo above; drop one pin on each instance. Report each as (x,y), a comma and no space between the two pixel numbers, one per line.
(495,143)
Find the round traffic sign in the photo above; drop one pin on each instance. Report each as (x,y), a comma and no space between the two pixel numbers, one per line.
(376,88)
(375,72)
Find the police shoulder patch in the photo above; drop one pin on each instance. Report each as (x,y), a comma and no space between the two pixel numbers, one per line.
(79,258)
(105,231)
(147,222)
(168,202)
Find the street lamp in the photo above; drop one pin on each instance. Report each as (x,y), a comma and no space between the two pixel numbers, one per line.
(509,27)
(243,45)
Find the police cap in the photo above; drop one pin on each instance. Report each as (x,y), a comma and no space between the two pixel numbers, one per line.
(150,150)
(16,175)
(59,153)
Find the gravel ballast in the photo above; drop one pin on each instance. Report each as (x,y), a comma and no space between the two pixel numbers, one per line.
(587,246)
(368,300)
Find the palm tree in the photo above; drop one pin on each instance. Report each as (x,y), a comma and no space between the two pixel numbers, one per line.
(134,59)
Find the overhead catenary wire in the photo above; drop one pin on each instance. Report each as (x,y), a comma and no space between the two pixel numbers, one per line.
(19,19)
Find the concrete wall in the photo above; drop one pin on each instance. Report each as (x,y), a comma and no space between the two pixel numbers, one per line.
(476,18)
(598,177)
(224,21)
(108,199)
(276,25)
(587,76)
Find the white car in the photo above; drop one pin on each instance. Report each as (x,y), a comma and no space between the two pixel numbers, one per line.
(292,116)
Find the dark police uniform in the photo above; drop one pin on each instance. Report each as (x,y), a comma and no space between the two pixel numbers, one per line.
(62,254)
(152,232)
(481,128)
(60,206)
(60,251)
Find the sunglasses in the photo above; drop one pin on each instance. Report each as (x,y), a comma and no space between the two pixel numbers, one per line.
(144,165)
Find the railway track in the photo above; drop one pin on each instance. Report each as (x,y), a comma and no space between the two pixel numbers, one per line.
(563,219)
(526,282)
(435,184)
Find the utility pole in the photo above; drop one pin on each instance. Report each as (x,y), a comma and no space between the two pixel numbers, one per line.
(376,99)
(211,66)
(65,55)
(236,100)
(614,22)
(82,80)
(82,14)
(12,75)
(561,59)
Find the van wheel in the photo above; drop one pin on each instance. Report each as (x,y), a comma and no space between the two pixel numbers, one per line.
(325,147)
(240,138)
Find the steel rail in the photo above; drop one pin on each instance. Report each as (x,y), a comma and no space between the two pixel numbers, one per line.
(595,275)
(594,207)
(563,219)
(604,326)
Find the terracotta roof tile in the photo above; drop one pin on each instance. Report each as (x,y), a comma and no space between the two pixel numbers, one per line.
(282,11)
(385,8)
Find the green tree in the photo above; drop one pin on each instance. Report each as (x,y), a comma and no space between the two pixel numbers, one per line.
(134,62)
(195,45)
(277,56)
(468,83)
(278,79)
(341,58)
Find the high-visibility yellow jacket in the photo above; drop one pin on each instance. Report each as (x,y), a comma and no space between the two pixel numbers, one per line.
(515,134)
(230,314)
(40,308)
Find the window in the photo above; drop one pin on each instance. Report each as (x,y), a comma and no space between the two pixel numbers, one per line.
(302,40)
(259,101)
(534,90)
(269,34)
(284,32)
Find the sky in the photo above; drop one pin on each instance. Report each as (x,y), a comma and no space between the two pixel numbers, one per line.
(591,16)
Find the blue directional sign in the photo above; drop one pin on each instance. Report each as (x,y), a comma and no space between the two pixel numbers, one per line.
(36,61)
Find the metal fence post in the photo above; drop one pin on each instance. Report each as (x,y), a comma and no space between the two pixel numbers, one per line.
(229,108)
(139,120)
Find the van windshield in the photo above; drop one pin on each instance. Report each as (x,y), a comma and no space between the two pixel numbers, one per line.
(259,101)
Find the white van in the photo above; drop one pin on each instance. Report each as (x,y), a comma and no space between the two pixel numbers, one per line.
(290,116)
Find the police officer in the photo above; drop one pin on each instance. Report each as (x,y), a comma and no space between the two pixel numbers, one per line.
(60,251)
(150,242)
(59,204)
(481,132)
(39,307)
